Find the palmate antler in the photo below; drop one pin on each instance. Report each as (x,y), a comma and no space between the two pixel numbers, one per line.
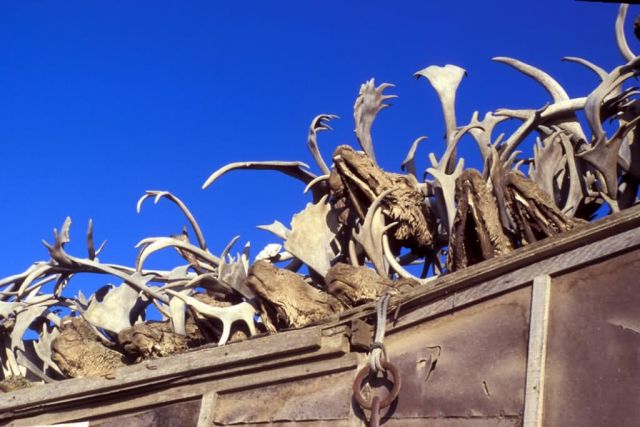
(369,103)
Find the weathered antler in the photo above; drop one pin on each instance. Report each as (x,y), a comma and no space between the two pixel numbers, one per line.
(369,103)
(318,124)
(242,312)
(445,80)
(623,46)
(187,213)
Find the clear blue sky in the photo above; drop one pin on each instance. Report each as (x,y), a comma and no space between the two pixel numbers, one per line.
(102,100)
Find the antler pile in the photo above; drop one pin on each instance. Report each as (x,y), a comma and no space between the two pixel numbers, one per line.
(357,239)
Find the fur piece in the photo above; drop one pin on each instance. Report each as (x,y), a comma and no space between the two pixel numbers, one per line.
(79,352)
(356,181)
(289,301)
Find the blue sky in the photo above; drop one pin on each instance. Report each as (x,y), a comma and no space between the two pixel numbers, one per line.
(102,100)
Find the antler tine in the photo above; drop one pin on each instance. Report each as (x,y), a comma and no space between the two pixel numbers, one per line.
(609,85)
(318,124)
(590,65)
(316,180)
(521,133)
(483,133)
(626,52)
(554,111)
(227,248)
(369,103)
(449,154)
(186,212)
(556,91)
(369,236)
(393,263)
(64,237)
(296,170)
(150,245)
(409,163)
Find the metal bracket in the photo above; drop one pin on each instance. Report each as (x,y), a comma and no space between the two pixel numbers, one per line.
(361,336)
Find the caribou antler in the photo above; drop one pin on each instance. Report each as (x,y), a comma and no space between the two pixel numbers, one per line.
(445,80)
(623,46)
(318,124)
(242,312)
(369,103)
(187,213)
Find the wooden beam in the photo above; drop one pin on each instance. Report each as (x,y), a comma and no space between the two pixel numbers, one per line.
(177,393)
(538,326)
(167,370)
(441,303)
(207,408)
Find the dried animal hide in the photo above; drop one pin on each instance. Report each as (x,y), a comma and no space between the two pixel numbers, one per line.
(288,301)
(355,285)
(157,339)
(356,181)
(79,352)
(14,383)
(477,233)
(535,214)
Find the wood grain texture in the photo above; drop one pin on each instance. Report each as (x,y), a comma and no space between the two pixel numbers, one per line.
(187,389)
(165,370)
(536,357)
(207,408)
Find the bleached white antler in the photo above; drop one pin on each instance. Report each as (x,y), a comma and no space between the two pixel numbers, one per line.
(243,312)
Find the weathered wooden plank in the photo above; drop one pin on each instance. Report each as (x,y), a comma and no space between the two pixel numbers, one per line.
(593,349)
(326,397)
(184,414)
(207,408)
(332,346)
(536,356)
(252,379)
(167,369)
(471,362)
(522,276)
(471,421)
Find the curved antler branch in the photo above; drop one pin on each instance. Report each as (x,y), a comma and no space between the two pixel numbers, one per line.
(590,65)
(554,89)
(409,163)
(621,39)
(187,213)
(318,124)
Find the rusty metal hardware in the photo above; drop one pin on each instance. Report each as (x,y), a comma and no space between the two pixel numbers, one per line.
(361,335)
(375,404)
(374,421)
